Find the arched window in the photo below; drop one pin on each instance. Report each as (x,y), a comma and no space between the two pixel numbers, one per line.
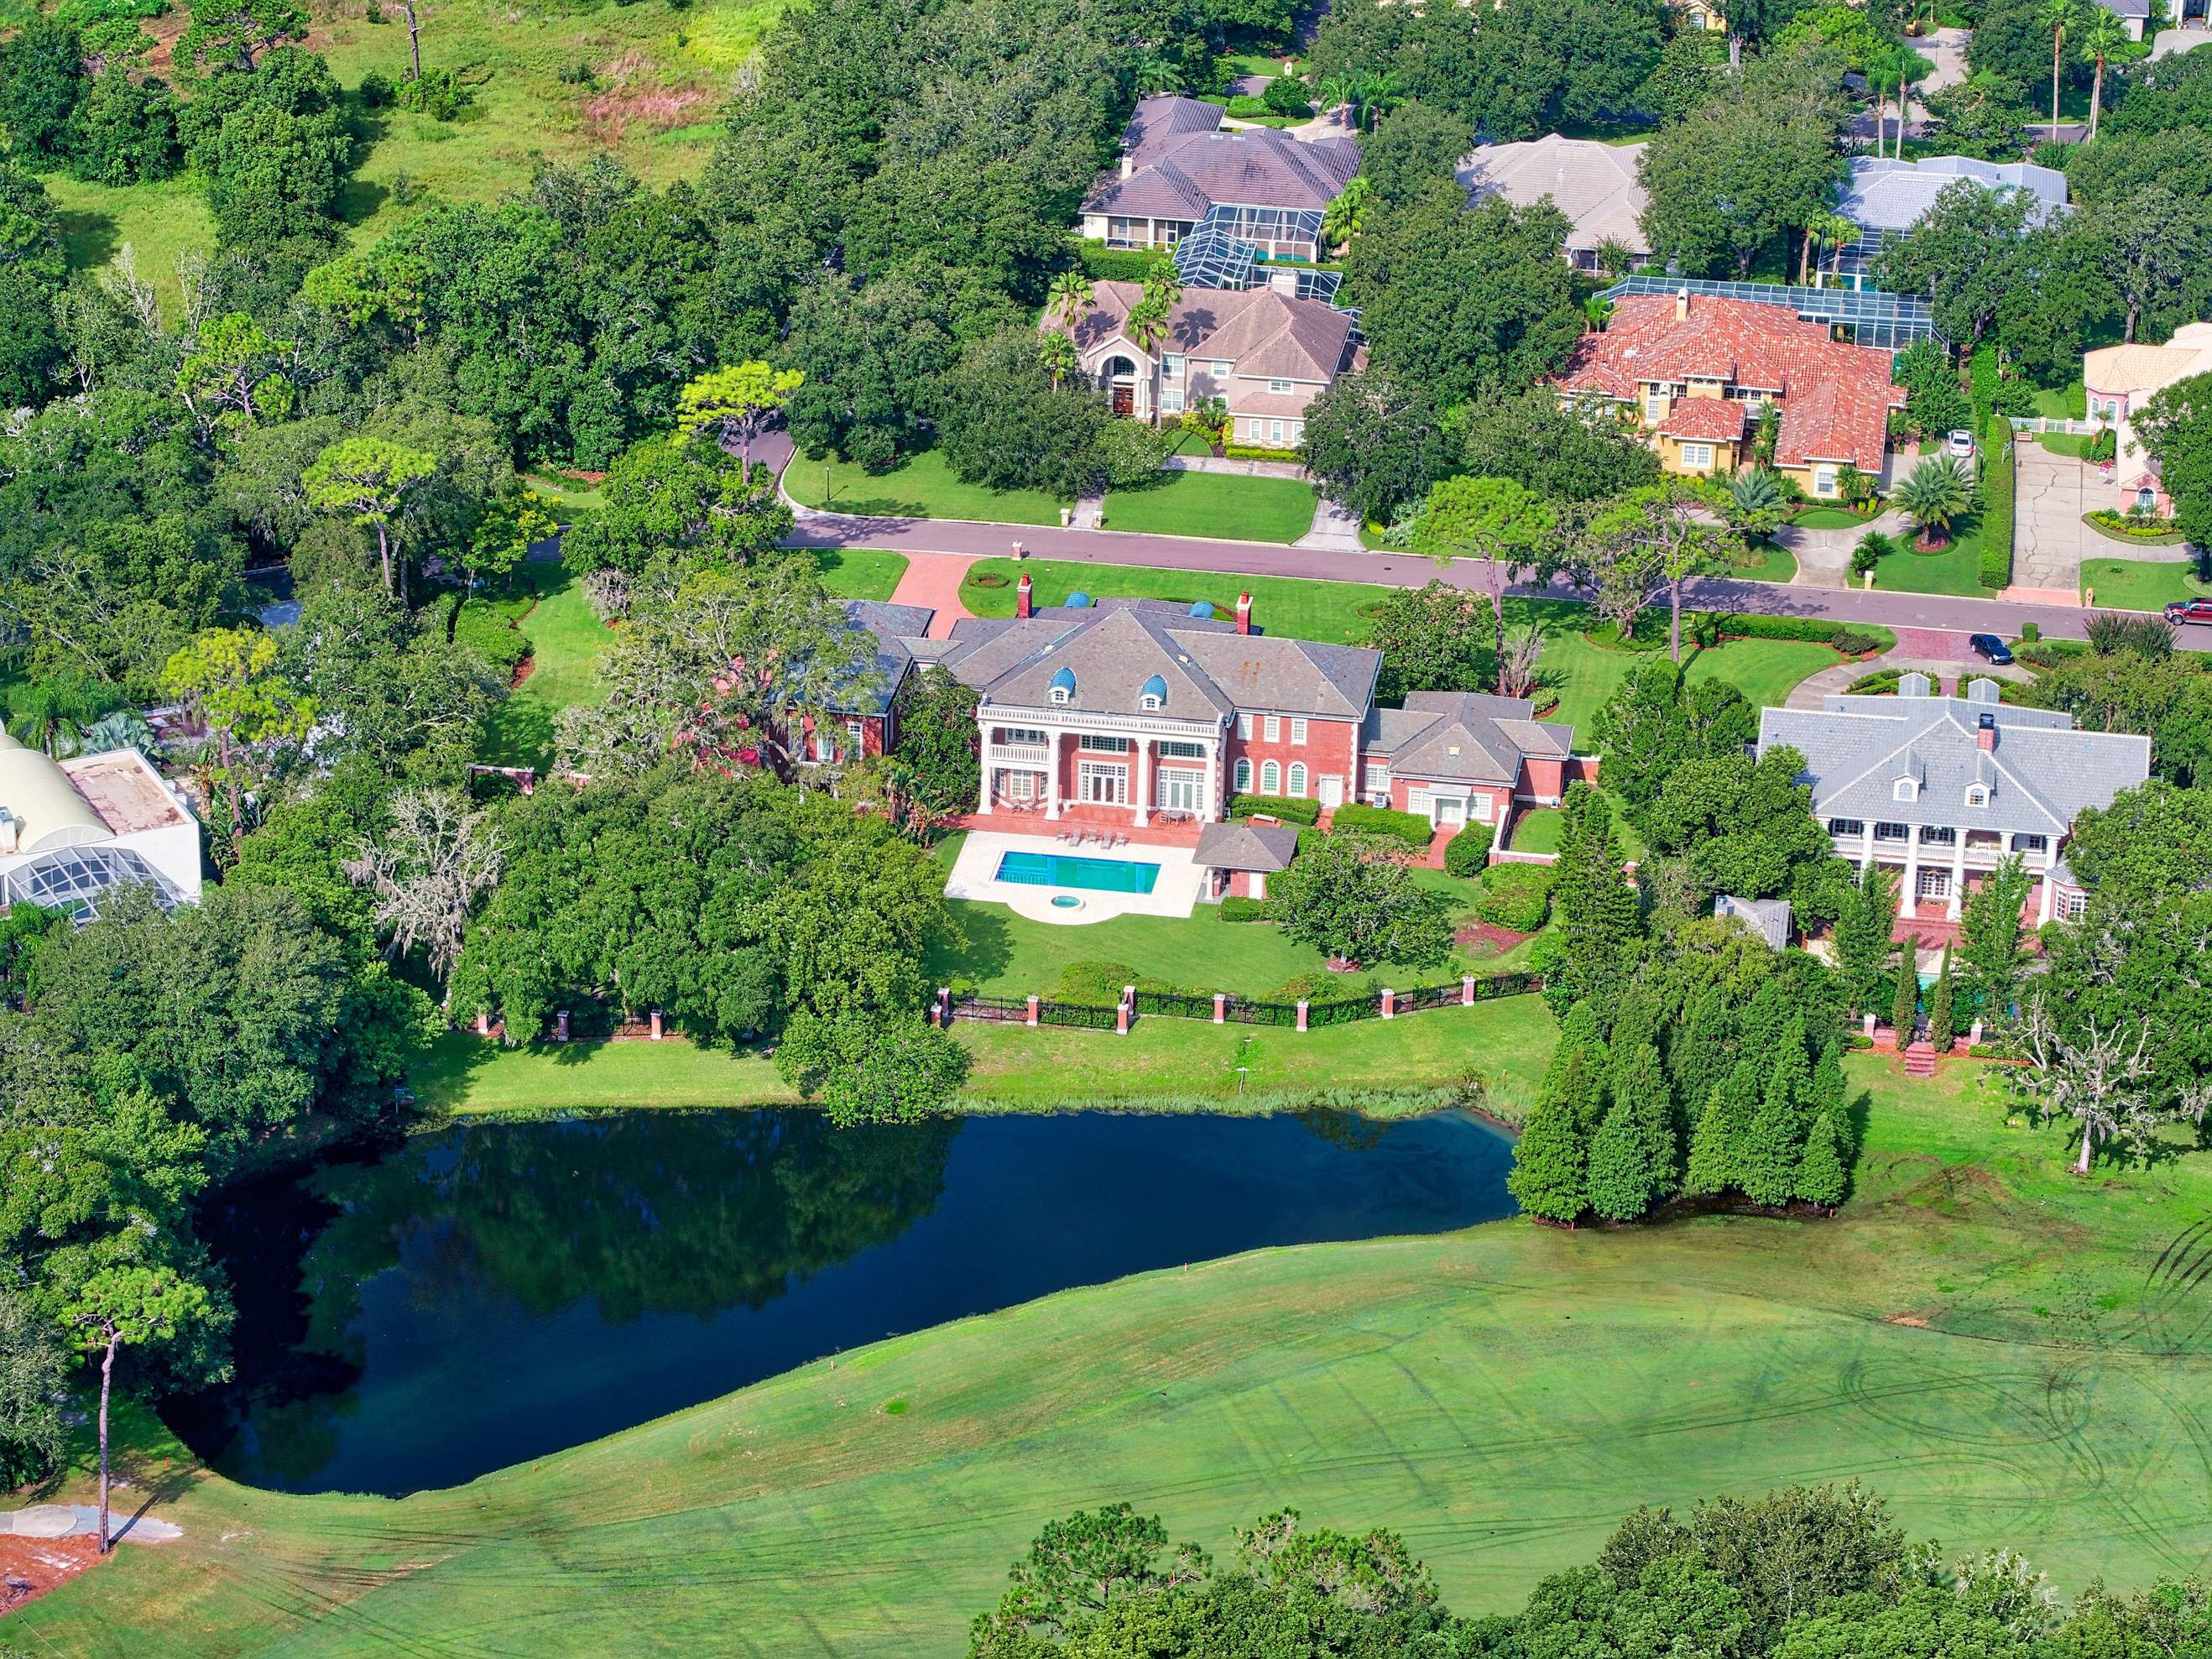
(1244,777)
(1271,778)
(1298,779)
(1905,789)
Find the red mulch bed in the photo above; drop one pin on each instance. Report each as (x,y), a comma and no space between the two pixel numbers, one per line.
(524,669)
(29,1567)
(1500,939)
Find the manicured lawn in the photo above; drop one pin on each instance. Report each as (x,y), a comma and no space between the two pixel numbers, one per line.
(571,497)
(566,639)
(2066,402)
(2063,443)
(1538,831)
(2140,584)
(1827,518)
(861,573)
(922,488)
(1764,671)
(1956,569)
(1587,674)
(1224,506)
(1406,1064)
(1772,562)
(1995,1346)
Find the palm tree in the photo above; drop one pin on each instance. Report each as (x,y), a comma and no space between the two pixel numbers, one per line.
(1934,494)
(1058,355)
(1336,91)
(1839,233)
(1072,295)
(1157,75)
(2057,16)
(2102,35)
(1378,91)
(1341,221)
(1757,503)
(1615,257)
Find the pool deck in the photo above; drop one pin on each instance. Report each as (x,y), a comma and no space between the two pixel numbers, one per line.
(974,876)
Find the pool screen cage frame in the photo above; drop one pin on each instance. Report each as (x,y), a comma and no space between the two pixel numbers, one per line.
(1872,317)
(79,879)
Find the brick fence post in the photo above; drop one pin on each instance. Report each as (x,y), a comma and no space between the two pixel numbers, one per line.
(1467,990)
(561,1026)
(656,1025)
(1302,1013)
(1389,1003)
(1220,1007)
(1032,1018)
(483,1023)
(1868,1018)
(944,1006)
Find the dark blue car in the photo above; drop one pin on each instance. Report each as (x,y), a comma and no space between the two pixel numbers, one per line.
(1990,647)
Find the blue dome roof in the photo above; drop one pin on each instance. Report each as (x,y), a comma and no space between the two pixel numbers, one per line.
(1202,610)
(1077,601)
(1064,680)
(1154,687)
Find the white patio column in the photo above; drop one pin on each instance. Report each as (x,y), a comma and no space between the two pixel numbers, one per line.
(1143,769)
(1866,847)
(1958,874)
(1908,897)
(983,749)
(1051,773)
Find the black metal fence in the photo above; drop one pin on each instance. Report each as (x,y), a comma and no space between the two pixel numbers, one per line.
(1239,1011)
(1429,996)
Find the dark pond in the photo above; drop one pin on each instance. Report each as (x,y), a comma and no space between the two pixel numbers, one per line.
(495,1291)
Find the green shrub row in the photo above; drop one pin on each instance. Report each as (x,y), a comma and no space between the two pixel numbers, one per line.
(1467,853)
(1515,896)
(1288,808)
(1352,818)
(492,636)
(1243,909)
(1997,490)
(1113,265)
(1882,681)
(1257,453)
(1710,627)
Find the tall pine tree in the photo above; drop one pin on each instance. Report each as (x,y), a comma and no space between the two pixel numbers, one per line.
(1824,1171)
(1940,1016)
(1620,1175)
(1991,953)
(1579,1035)
(1777,1132)
(1639,1083)
(1905,1006)
(1551,1161)
(1700,1050)
(1594,943)
(1721,1145)
(1863,918)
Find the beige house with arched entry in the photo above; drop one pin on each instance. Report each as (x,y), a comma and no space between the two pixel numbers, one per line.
(2120,379)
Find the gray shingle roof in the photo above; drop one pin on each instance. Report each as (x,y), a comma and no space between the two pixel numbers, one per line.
(892,626)
(2041,773)
(1888,194)
(1156,124)
(1210,669)
(1463,737)
(1240,844)
(1191,172)
(1593,184)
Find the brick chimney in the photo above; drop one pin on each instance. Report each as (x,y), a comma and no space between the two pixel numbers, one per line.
(1022,596)
(1243,613)
(1682,304)
(1128,164)
(1985,732)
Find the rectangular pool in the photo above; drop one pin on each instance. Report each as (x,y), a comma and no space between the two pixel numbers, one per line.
(1068,870)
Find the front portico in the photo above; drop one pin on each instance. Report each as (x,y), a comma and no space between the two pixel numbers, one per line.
(1038,762)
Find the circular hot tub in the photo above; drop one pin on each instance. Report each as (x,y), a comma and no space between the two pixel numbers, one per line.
(1065,902)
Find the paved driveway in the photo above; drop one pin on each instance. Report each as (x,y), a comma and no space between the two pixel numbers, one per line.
(2050,540)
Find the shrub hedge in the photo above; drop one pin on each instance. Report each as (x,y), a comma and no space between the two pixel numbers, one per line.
(1998,489)
(492,636)
(1467,853)
(1851,642)
(1113,265)
(1288,808)
(1515,896)
(1354,819)
(1243,909)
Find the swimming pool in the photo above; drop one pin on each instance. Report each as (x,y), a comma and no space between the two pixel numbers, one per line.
(1067,870)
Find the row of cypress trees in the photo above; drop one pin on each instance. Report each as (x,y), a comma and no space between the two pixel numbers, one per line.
(1717,1103)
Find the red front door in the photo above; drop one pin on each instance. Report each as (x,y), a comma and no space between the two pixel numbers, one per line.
(1125,400)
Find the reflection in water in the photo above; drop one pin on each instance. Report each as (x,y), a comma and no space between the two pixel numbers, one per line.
(495,1291)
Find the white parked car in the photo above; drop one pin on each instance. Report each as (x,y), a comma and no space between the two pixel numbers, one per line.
(1959,445)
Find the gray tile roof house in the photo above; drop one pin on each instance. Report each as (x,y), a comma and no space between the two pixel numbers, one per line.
(898,629)
(1593,184)
(1966,762)
(1109,657)
(1456,738)
(1889,195)
(1187,173)
(1240,844)
(1156,125)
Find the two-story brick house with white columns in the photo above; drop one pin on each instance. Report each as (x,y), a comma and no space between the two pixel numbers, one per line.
(1942,789)
(1151,712)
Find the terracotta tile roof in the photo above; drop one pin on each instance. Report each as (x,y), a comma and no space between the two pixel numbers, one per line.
(1705,419)
(1835,398)
(1266,334)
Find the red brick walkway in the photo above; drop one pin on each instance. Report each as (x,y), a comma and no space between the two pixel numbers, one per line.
(933,579)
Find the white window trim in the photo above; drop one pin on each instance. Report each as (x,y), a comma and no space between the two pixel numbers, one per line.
(1244,776)
(1245,727)
(1298,731)
(1294,783)
(1272,728)
(1697,454)
(1271,778)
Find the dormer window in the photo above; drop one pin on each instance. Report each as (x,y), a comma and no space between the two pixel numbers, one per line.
(1149,703)
(1978,795)
(1153,696)
(1062,689)
(1906,789)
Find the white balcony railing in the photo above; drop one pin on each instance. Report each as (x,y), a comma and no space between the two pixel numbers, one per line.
(1020,754)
